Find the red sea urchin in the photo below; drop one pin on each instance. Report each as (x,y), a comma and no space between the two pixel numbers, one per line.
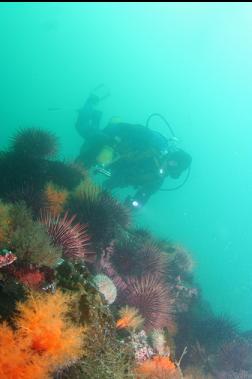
(235,355)
(72,238)
(137,258)
(152,298)
(105,215)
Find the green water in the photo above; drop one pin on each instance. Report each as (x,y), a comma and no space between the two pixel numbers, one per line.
(192,63)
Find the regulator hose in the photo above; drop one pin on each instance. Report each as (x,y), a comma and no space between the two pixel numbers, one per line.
(164,120)
(175,139)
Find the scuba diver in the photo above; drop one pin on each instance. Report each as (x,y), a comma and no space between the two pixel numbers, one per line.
(130,155)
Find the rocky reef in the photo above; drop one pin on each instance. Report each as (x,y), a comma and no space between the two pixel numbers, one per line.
(84,294)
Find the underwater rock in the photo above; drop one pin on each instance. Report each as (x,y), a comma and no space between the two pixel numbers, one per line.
(159,367)
(144,282)
(104,355)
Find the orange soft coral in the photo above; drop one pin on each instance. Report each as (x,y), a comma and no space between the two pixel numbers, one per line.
(17,361)
(44,318)
(129,319)
(157,368)
(55,199)
(44,340)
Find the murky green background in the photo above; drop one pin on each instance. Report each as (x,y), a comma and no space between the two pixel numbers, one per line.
(189,61)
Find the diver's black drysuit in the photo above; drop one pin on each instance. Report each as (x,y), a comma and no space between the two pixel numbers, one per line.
(141,153)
